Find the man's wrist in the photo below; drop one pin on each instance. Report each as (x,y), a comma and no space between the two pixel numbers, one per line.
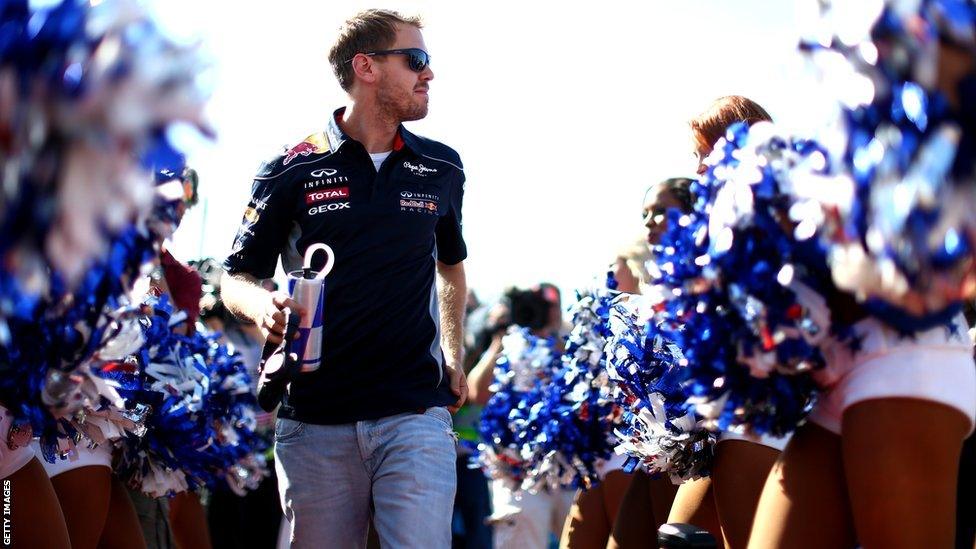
(454,361)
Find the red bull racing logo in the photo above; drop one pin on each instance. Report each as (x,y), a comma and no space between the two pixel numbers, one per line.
(420,206)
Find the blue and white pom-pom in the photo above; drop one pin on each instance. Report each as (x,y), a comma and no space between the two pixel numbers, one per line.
(55,365)
(86,402)
(741,300)
(902,228)
(201,428)
(577,416)
(87,331)
(91,91)
(169,458)
(525,366)
(231,404)
(660,431)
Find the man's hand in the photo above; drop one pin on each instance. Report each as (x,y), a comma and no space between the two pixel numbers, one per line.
(272,323)
(459,386)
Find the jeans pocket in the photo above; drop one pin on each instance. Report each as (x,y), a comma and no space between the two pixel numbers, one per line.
(441,414)
(287,429)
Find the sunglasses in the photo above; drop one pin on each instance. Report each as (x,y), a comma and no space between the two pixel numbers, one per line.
(417,59)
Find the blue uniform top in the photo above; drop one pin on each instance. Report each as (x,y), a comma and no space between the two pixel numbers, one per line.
(381,351)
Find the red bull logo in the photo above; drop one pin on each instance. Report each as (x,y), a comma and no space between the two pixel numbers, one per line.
(313,144)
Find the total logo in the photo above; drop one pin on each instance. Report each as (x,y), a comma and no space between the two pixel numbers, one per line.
(419,169)
(324,208)
(326,195)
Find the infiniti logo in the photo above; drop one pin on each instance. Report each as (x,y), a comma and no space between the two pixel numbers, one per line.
(419,196)
(324,172)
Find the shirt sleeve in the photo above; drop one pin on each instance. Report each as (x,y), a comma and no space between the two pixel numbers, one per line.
(185,287)
(264,229)
(451,248)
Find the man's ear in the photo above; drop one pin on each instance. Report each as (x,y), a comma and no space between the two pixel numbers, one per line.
(364,68)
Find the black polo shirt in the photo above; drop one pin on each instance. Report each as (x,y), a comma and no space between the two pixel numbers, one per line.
(381,351)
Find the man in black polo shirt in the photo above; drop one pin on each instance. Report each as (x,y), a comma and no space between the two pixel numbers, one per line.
(370,429)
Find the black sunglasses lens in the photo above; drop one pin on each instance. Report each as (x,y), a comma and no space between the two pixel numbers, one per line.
(418,60)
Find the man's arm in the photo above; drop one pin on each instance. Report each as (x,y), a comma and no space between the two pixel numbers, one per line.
(452,290)
(244,296)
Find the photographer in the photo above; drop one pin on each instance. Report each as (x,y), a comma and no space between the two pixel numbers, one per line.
(527,519)
(537,309)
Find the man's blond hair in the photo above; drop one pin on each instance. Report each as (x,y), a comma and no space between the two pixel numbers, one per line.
(367,31)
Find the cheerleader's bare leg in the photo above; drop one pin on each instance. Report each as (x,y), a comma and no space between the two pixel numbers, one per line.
(83,484)
(84,495)
(36,518)
(123,530)
(591,518)
(695,504)
(738,477)
(804,501)
(901,457)
(643,508)
(188,520)
(897,409)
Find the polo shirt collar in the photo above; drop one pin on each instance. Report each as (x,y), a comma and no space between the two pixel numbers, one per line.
(337,137)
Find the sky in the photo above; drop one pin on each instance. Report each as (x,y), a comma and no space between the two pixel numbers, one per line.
(563,112)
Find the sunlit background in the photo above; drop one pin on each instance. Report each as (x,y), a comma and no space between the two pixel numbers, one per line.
(563,112)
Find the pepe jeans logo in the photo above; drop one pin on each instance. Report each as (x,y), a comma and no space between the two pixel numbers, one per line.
(418,169)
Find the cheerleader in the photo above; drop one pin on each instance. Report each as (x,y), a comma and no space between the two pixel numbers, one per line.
(877,463)
(725,502)
(184,285)
(642,495)
(594,511)
(74,155)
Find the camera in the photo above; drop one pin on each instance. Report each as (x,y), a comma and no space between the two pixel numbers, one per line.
(527,308)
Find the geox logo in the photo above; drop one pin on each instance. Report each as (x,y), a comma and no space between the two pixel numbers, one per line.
(329,208)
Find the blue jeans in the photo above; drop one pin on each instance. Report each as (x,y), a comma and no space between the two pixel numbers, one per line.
(400,468)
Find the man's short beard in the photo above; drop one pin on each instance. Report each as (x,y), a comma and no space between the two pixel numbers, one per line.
(399,108)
